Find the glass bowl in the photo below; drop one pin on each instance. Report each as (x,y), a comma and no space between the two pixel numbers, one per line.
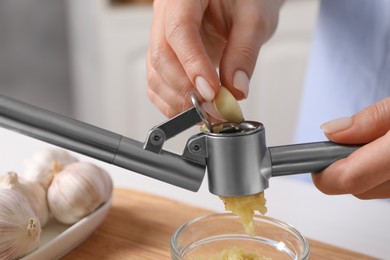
(207,236)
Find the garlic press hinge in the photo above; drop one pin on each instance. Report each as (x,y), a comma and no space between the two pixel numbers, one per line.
(160,133)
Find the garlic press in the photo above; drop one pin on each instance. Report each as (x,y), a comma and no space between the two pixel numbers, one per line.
(235,156)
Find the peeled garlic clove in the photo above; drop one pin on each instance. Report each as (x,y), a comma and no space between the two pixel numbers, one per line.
(20,229)
(43,164)
(78,190)
(34,193)
(227,106)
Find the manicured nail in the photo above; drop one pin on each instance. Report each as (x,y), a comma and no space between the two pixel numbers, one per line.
(211,110)
(241,82)
(204,88)
(337,125)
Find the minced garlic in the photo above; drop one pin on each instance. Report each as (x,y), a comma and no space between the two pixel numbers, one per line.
(244,207)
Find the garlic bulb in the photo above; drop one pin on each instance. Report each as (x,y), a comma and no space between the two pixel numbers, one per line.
(42,166)
(20,229)
(34,193)
(78,190)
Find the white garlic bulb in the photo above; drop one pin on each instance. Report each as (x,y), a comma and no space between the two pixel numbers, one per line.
(34,193)
(78,190)
(43,164)
(20,229)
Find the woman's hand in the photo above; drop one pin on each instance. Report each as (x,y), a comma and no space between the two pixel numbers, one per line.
(366,172)
(190,39)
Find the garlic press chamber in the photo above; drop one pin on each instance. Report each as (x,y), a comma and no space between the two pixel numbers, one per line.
(235,156)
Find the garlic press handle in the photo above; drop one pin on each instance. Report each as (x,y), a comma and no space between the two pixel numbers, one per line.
(307,157)
(101,144)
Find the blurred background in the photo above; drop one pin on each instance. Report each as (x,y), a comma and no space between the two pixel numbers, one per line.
(86,59)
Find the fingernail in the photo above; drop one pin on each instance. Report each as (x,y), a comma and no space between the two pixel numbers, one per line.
(204,88)
(210,109)
(337,125)
(241,82)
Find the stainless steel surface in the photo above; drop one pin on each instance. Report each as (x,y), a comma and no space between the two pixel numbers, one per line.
(236,156)
(237,159)
(239,162)
(309,157)
(99,143)
(201,112)
(159,134)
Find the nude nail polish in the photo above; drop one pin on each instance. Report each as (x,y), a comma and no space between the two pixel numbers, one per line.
(337,125)
(204,88)
(241,82)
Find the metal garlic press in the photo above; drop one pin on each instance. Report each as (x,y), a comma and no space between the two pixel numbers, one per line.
(236,157)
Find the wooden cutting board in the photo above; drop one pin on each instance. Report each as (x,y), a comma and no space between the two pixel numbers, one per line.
(140,226)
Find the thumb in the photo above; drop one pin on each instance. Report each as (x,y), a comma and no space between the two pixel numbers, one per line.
(363,127)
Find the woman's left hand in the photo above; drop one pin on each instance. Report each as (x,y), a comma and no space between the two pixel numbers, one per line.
(366,172)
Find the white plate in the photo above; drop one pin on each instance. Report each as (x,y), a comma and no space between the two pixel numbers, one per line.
(58,239)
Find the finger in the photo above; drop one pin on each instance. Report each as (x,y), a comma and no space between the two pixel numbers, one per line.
(249,31)
(168,85)
(154,59)
(164,62)
(360,172)
(164,96)
(169,102)
(363,127)
(167,78)
(182,30)
(381,191)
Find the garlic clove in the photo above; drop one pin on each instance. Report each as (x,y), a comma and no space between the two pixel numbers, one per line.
(43,164)
(227,106)
(20,229)
(78,190)
(34,193)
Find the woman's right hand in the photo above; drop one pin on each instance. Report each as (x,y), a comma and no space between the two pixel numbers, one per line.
(190,39)
(366,172)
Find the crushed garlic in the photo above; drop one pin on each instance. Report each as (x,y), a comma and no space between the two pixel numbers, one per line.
(244,207)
